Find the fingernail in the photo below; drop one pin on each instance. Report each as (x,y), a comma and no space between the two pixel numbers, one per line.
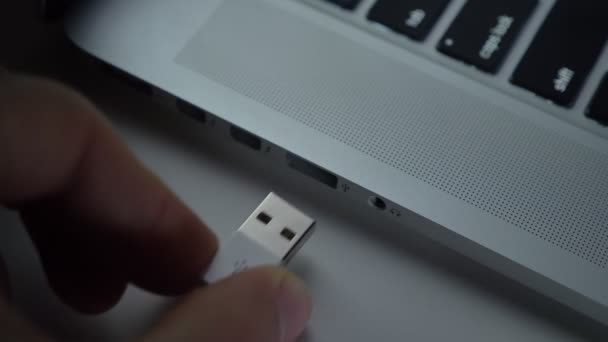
(294,307)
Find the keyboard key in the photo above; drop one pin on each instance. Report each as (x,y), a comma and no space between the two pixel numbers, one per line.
(414,18)
(484,31)
(346,4)
(565,50)
(598,110)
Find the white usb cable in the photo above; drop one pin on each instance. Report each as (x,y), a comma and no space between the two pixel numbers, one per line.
(271,235)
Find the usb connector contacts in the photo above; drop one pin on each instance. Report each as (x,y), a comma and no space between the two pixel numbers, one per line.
(271,235)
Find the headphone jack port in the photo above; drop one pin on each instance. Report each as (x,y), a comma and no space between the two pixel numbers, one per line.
(377,202)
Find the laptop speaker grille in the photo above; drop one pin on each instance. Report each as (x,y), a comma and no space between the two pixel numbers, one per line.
(528,176)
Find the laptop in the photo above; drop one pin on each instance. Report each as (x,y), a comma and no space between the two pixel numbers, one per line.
(483,121)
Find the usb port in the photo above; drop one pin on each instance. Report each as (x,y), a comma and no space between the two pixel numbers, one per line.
(312,170)
(245,138)
(191,110)
(128,79)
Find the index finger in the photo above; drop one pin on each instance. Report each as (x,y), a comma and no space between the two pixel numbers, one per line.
(94,212)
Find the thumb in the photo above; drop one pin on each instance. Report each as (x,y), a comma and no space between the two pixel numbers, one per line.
(266,304)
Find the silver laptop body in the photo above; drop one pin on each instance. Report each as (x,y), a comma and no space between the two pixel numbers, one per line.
(486,167)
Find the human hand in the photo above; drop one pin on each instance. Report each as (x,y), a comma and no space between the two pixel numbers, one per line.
(100,220)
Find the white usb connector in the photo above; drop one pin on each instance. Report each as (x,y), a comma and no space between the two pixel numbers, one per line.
(271,235)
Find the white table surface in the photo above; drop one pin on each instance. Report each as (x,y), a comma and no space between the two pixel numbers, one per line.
(370,278)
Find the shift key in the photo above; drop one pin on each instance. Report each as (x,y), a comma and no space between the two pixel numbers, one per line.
(565,50)
(484,31)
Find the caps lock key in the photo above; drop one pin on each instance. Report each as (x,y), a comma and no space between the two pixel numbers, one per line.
(484,31)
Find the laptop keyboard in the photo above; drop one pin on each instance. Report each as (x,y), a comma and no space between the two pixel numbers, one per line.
(557,63)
